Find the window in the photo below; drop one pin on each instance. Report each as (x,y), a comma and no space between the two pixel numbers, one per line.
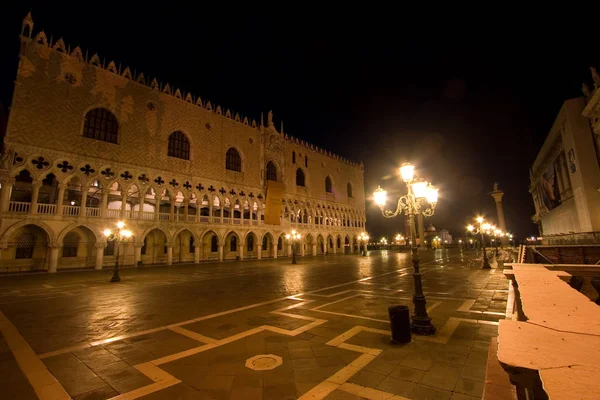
(299,177)
(109,250)
(233,161)
(70,244)
(191,247)
(250,243)
(214,244)
(349,190)
(144,247)
(101,124)
(25,244)
(293,157)
(328,188)
(233,244)
(279,244)
(179,146)
(271,172)
(306,161)
(265,243)
(339,243)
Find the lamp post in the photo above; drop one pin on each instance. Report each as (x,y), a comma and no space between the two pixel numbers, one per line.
(119,236)
(483,227)
(293,237)
(364,238)
(420,199)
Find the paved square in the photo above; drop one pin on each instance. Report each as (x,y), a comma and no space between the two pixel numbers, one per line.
(251,330)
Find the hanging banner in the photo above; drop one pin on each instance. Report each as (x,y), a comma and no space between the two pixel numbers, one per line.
(273,201)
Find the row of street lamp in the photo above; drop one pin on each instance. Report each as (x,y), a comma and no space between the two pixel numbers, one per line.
(485,228)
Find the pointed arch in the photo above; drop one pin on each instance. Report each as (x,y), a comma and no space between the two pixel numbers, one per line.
(233,160)
(40,224)
(97,235)
(300,177)
(328,184)
(271,171)
(179,146)
(101,124)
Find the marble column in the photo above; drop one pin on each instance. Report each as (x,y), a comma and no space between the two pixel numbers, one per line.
(314,249)
(197,247)
(53,262)
(99,255)
(169,254)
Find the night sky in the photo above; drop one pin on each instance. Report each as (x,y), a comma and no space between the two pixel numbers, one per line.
(469,103)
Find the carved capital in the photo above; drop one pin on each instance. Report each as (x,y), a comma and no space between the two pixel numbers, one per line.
(55,245)
(100,245)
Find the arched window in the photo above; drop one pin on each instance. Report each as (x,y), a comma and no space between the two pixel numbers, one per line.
(214,244)
(306,161)
(328,188)
(144,247)
(293,157)
(349,190)
(70,244)
(265,243)
(271,171)
(101,124)
(179,146)
(233,244)
(25,244)
(250,243)
(233,161)
(299,177)
(191,249)
(339,243)
(279,243)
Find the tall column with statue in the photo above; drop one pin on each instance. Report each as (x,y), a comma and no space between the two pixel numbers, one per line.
(497,195)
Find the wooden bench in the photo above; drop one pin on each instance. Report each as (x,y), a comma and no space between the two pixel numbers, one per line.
(551,347)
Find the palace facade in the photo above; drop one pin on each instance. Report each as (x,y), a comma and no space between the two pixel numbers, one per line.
(90,143)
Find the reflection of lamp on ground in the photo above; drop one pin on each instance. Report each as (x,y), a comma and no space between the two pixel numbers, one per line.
(121,235)
(293,237)
(420,199)
(364,238)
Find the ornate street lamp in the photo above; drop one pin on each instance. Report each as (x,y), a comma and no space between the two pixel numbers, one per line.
(121,235)
(363,238)
(420,199)
(483,228)
(293,237)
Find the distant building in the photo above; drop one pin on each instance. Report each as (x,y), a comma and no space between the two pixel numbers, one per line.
(565,178)
(445,237)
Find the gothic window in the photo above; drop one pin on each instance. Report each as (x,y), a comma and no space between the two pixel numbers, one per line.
(250,243)
(25,244)
(70,244)
(350,190)
(271,171)
(339,243)
(214,244)
(279,244)
(179,146)
(233,161)
(233,244)
(109,250)
(299,177)
(328,188)
(191,247)
(144,247)
(306,161)
(101,124)
(293,157)
(264,243)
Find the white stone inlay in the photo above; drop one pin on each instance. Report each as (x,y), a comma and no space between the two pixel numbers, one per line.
(264,362)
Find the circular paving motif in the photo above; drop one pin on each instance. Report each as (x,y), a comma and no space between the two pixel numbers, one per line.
(264,362)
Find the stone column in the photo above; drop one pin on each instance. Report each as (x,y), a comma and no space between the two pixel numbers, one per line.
(186,204)
(169,254)
(156,206)
(241,251)
(302,251)
(421,227)
(99,255)
(5,194)
(61,199)
(259,252)
(83,207)
(289,250)
(53,262)
(314,249)
(497,195)
(221,251)
(172,208)
(197,247)
(365,247)
(137,253)
(34,198)
(104,205)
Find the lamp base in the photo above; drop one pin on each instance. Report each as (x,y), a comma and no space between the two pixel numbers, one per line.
(422,326)
(115,278)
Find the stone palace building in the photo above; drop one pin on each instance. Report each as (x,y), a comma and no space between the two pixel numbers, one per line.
(89,143)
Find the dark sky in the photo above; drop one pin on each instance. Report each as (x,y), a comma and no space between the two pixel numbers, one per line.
(469,103)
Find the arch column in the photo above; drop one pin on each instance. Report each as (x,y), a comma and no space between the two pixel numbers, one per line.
(137,253)
(314,249)
(34,197)
(99,255)
(221,245)
(104,205)
(5,194)
(186,204)
(53,260)
(83,206)
(302,245)
(61,198)
(172,208)
(241,250)
(289,250)
(169,254)
(259,252)
(156,206)
(197,247)
(123,204)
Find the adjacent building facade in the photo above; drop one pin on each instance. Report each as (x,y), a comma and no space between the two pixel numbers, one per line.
(565,179)
(90,143)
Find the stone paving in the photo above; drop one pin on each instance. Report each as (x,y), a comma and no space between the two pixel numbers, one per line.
(257,329)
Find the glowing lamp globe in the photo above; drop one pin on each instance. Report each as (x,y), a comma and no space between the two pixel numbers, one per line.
(407,171)
(432,195)
(380,196)
(420,189)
